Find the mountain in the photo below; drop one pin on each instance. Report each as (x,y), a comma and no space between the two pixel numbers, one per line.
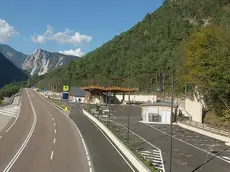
(41,62)
(147,53)
(9,72)
(14,56)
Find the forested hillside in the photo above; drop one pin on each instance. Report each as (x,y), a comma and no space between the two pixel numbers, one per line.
(188,37)
(146,52)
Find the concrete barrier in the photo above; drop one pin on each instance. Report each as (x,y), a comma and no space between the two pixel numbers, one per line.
(204,132)
(128,154)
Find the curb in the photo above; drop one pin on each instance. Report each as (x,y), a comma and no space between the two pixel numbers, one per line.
(204,132)
(127,153)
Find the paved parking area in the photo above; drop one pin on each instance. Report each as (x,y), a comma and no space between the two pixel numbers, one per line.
(191,151)
(201,141)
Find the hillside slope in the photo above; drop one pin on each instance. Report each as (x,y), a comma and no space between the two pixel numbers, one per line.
(11,54)
(9,72)
(146,53)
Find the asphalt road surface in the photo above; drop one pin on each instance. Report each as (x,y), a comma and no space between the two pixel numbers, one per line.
(191,151)
(104,156)
(42,139)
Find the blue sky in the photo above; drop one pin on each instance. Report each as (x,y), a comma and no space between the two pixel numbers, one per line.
(63,25)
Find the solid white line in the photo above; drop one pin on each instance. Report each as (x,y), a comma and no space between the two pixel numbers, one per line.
(227,158)
(189,144)
(113,145)
(51,155)
(55,131)
(9,166)
(54,141)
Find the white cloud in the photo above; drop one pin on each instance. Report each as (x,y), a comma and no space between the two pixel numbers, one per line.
(76,52)
(6,31)
(38,39)
(66,37)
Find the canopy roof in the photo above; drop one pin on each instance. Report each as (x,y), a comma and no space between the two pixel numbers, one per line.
(108,89)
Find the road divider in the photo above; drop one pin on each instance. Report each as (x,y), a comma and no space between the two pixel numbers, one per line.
(122,148)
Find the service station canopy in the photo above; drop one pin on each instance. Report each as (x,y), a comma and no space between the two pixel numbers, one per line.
(113,89)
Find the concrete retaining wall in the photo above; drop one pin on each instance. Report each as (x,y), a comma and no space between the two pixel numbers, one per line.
(204,132)
(194,109)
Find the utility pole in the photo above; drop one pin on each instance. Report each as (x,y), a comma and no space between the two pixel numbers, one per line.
(109,102)
(171,119)
(128,133)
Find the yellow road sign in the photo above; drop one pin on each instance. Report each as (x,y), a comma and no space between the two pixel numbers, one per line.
(66,88)
(66,109)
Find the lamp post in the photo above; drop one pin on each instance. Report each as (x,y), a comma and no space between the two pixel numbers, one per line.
(128,132)
(171,119)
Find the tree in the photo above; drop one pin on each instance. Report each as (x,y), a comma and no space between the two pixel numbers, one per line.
(206,60)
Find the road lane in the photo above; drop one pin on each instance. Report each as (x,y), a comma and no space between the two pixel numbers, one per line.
(13,139)
(54,145)
(68,152)
(104,157)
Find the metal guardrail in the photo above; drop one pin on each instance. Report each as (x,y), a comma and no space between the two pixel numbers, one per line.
(206,127)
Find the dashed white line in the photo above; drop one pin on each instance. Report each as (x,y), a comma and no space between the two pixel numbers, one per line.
(55,131)
(53,119)
(52,154)
(54,141)
(89,163)
(0,137)
(54,124)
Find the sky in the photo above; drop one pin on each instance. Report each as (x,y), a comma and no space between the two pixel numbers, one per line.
(73,27)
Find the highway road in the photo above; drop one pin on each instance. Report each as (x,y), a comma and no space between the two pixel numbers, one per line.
(191,151)
(42,139)
(104,155)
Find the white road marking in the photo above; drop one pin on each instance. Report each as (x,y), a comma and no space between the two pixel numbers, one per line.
(17,115)
(85,147)
(157,149)
(189,144)
(0,137)
(53,119)
(54,141)
(54,124)
(51,155)
(9,166)
(9,115)
(114,146)
(55,131)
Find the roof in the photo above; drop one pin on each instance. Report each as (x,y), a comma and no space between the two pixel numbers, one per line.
(104,89)
(77,92)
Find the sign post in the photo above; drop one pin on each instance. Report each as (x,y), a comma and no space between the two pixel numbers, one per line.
(65,96)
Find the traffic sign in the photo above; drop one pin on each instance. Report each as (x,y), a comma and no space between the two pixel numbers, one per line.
(65,88)
(65,95)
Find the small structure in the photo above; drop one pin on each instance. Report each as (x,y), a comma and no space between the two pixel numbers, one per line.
(77,94)
(157,113)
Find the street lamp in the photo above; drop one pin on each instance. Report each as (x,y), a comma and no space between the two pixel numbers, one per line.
(171,119)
